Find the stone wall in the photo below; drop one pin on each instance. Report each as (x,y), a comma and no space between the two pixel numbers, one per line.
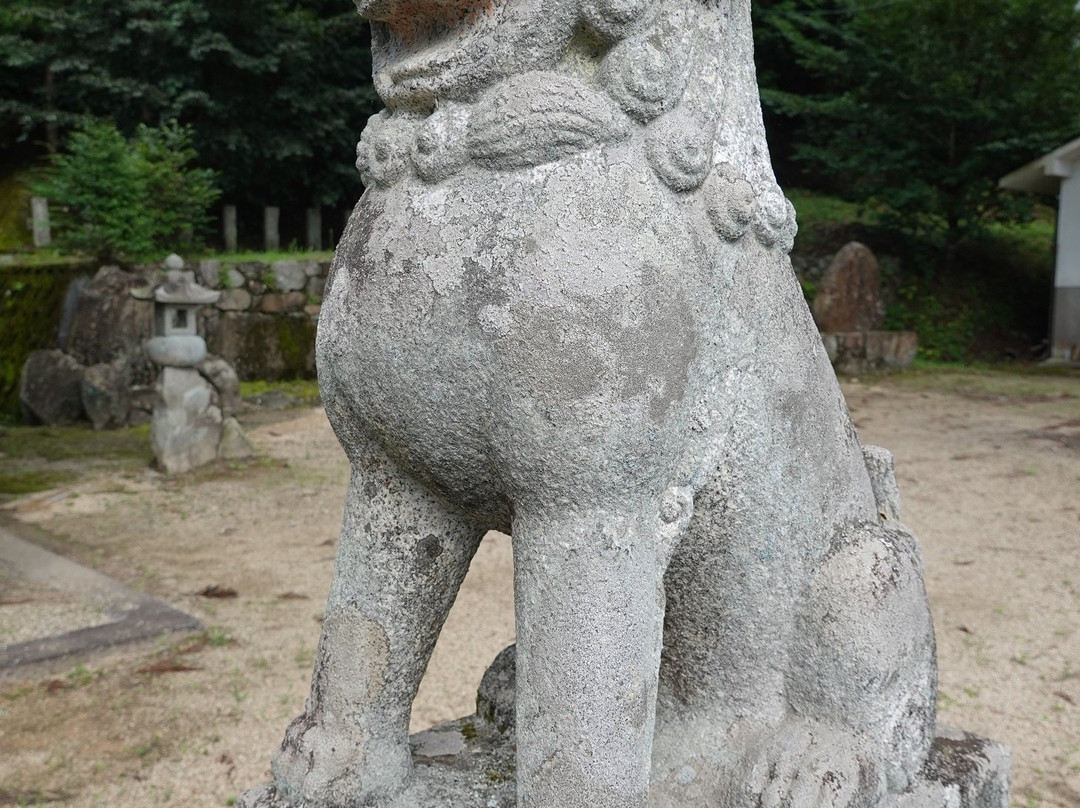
(263,326)
(264,323)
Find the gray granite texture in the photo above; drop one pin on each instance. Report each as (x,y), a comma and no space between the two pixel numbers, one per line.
(563,308)
(469,763)
(186,426)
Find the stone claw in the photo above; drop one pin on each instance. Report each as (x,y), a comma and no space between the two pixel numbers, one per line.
(807,764)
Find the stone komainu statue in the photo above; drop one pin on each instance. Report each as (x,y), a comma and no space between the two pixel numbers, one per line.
(563,309)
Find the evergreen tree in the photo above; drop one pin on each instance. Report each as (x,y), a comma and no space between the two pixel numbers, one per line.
(277,91)
(137,199)
(921,105)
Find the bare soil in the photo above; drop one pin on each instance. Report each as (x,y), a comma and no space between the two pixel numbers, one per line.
(990,473)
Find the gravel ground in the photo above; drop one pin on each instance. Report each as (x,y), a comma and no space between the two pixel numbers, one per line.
(991,483)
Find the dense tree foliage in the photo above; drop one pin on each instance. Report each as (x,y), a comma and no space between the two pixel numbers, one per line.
(277,91)
(921,105)
(134,199)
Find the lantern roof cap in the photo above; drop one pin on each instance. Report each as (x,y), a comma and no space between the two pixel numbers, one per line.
(179,288)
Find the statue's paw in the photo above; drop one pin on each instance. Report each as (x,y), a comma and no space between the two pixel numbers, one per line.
(807,764)
(318,767)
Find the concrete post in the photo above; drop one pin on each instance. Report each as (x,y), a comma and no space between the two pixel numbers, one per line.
(272,236)
(314,228)
(228,226)
(39,218)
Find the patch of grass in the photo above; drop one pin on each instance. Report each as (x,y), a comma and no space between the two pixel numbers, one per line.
(47,258)
(305,391)
(149,750)
(265,257)
(15,694)
(75,443)
(217,636)
(39,458)
(14,211)
(79,676)
(31,481)
(813,208)
(32,797)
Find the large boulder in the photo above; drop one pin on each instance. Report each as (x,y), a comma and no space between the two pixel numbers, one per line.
(107,322)
(106,393)
(225,382)
(50,388)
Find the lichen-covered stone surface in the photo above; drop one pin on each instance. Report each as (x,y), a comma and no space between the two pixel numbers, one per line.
(564,309)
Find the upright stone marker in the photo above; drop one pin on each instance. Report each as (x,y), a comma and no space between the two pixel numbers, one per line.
(314,228)
(228,226)
(849,295)
(186,426)
(849,309)
(563,308)
(39,221)
(271,232)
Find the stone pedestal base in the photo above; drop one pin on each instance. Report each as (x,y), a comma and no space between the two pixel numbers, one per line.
(855,352)
(186,427)
(469,763)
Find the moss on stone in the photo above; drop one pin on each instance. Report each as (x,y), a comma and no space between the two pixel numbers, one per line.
(296,338)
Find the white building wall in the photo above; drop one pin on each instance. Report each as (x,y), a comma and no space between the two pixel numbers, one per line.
(1068,247)
(1065,330)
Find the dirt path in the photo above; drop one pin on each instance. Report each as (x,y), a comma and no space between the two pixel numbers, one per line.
(990,483)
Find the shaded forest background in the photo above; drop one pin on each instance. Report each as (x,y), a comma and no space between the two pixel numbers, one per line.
(276,92)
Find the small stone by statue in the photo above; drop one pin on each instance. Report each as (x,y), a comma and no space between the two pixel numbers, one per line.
(563,309)
(187,429)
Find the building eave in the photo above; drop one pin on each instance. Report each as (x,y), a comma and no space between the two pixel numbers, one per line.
(1044,174)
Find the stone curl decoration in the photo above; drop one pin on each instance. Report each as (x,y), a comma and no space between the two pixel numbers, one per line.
(563,309)
(647,72)
(382,155)
(616,19)
(775,221)
(642,77)
(729,201)
(440,151)
(679,147)
(538,118)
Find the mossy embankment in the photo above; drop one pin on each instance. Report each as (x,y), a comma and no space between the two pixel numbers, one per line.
(984,298)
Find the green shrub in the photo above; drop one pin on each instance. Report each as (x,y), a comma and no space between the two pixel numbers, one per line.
(991,303)
(135,199)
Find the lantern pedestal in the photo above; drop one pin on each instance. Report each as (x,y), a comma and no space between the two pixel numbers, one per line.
(186,428)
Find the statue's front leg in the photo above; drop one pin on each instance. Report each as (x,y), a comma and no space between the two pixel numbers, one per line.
(590,604)
(401,559)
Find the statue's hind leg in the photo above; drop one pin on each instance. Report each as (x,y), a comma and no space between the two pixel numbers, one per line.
(798,661)
(402,557)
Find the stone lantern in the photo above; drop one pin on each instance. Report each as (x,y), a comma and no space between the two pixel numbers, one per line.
(176,341)
(186,426)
